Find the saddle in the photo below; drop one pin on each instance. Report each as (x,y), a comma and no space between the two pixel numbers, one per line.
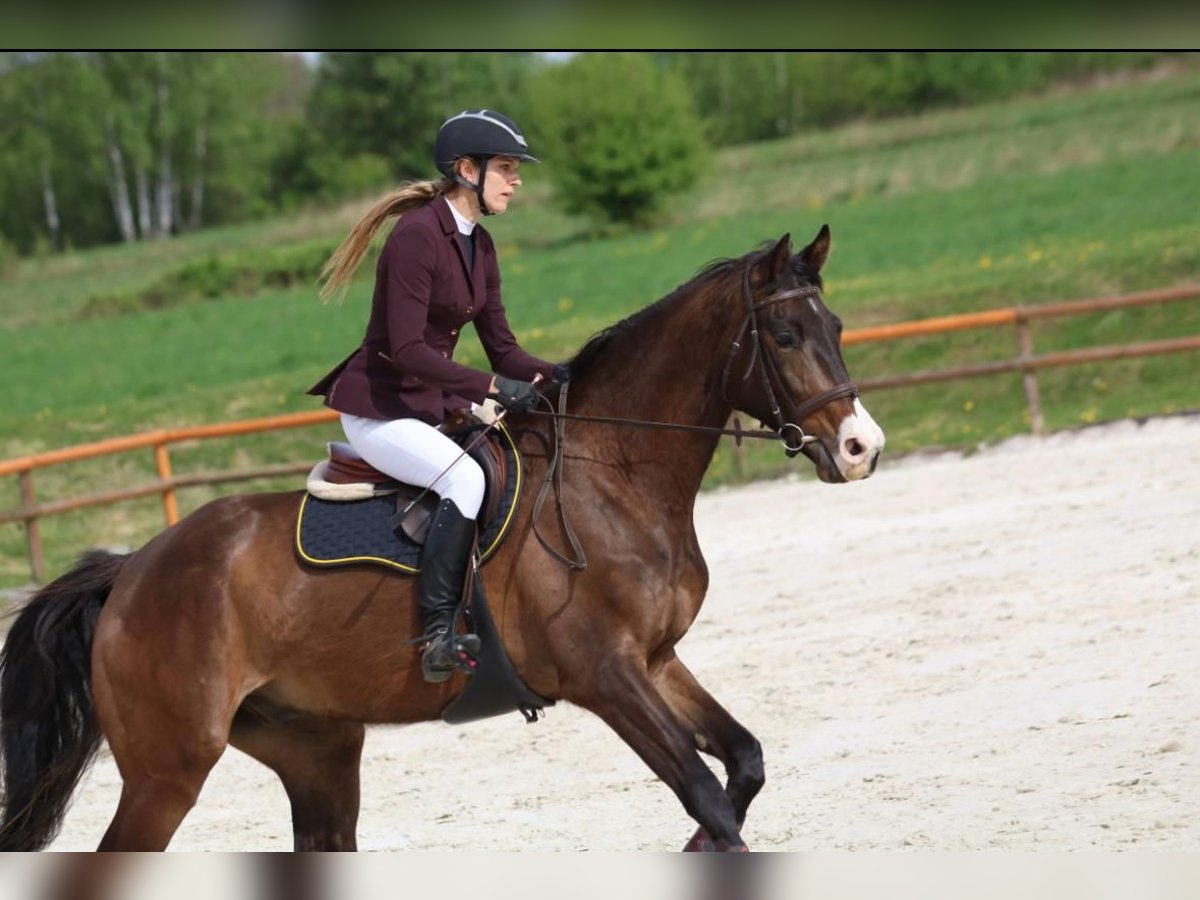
(352,513)
(346,476)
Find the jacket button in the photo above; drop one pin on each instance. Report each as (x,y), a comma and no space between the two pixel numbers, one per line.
(453,332)
(469,309)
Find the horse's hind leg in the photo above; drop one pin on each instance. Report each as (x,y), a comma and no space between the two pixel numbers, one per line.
(166,731)
(318,762)
(717,733)
(151,809)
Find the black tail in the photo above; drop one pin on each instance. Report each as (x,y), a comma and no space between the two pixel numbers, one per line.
(48,730)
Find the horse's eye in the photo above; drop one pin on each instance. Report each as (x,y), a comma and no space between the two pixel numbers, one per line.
(786,338)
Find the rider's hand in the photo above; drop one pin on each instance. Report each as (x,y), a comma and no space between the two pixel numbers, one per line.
(561,373)
(514,395)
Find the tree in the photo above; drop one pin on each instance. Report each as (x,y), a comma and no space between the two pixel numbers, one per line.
(49,125)
(388,106)
(236,112)
(619,133)
(106,145)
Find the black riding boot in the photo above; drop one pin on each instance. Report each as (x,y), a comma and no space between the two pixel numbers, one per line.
(448,546)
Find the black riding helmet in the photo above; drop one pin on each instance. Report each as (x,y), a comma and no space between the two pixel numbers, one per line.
(479,134)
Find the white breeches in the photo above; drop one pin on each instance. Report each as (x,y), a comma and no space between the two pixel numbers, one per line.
(417,453)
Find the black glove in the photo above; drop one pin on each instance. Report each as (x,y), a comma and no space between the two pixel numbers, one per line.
(514,395)
(561,373)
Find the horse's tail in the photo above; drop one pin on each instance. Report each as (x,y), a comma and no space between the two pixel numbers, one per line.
(48,730)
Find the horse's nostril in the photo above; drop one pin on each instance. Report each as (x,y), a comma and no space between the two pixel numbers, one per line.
(853,449)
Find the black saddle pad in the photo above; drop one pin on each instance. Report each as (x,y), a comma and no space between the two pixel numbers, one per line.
(347,532)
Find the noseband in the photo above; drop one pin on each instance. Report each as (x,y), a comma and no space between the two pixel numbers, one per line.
(761,358)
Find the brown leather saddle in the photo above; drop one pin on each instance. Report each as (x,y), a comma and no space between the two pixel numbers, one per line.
(346,467)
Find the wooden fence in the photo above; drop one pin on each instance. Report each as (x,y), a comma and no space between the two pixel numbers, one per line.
(1025,361)
(167,484)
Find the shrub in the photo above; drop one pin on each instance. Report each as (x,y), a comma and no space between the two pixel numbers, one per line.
(618,135)
(242,274)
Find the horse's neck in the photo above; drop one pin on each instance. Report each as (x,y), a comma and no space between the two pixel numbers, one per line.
(667,369)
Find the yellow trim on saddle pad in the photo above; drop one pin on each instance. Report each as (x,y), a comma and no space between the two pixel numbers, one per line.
(485,553)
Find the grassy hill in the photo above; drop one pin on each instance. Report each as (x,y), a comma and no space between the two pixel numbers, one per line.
(1075,194)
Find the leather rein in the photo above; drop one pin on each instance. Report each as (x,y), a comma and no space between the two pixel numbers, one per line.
(768,370)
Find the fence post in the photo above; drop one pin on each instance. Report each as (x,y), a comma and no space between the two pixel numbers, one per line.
(162,462)
(1029,376)
(33,531)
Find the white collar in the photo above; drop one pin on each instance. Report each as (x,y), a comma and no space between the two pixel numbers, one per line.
(465,225)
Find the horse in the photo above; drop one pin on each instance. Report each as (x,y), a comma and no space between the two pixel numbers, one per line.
(214,634)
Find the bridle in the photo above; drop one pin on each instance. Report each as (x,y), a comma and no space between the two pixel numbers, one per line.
(768,369)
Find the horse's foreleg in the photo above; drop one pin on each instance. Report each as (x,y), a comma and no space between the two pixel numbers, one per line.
(318,762)
(624,696)
(715,732)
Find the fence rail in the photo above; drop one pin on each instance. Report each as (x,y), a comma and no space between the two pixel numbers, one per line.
(1025,361)
(166,484)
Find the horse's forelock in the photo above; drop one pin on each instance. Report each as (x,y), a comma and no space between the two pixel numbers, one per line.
(806,273)
(796,265)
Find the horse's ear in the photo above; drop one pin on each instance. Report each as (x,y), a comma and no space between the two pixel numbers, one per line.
(773,262)
(815,254)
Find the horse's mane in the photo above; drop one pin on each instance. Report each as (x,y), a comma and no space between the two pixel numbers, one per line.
(598,343)
(705,279)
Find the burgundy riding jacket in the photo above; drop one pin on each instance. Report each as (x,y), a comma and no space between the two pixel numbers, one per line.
(424,295)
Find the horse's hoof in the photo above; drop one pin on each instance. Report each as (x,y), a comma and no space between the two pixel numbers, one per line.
(702,842)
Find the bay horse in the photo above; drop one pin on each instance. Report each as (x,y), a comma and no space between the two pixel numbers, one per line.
(214,633)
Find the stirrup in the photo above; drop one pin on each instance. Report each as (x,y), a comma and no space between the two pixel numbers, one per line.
(439,659)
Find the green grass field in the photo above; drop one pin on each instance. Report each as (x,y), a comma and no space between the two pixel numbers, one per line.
(1065,196)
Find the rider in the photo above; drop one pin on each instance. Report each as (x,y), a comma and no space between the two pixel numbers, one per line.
(436,272)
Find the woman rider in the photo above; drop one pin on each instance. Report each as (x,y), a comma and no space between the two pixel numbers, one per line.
(437,272)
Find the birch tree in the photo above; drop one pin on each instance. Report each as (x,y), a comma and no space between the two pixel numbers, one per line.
(123,145)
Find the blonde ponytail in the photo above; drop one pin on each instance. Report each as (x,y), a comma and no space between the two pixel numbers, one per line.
(340,267)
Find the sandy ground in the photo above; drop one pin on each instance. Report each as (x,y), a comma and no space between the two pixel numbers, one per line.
(964,652)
